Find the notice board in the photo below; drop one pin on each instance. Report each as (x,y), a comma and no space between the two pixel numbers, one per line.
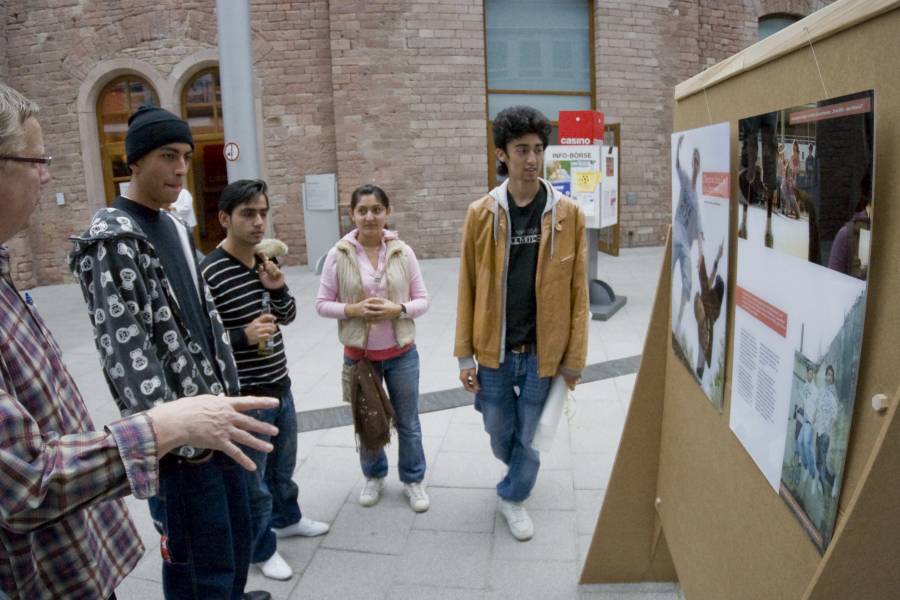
(685,501)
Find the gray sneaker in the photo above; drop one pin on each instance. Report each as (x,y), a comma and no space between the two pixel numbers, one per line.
(520,525)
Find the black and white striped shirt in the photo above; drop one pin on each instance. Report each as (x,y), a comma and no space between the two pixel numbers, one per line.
(237,293)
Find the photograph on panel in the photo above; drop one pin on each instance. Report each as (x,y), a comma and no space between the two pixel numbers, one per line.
(701,189)
(804,236)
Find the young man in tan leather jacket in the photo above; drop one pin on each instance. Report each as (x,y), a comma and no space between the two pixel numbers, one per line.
(522,308)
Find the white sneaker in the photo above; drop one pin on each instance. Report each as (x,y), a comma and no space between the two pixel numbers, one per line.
(275,568)
(371,492)
(520,525)
(418,499)
(304,528)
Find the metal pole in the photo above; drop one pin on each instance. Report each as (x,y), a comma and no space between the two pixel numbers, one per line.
(238,83)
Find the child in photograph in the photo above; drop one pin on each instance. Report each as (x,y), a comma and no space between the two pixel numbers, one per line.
(707,306)
(686,227)
(826,415)
(807,415)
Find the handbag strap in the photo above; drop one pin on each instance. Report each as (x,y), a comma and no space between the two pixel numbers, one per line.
(366,342)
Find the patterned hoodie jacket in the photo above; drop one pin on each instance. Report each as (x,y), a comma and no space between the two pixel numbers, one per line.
(146,350)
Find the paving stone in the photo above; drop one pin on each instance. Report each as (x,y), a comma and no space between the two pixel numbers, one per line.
(381,529)
(334,463)
(587,507)
(554,538)
(341,575)
(548,580)
(554,490)
(467,437)
(468,414)
(467,470)
(322,499)
(446,559)
(459,509)
(418,592)
(591,470)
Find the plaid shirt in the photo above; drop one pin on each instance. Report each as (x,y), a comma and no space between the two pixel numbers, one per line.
(64,532)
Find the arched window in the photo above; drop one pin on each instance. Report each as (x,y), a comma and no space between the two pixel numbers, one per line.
(202,103)
(201,107)
(769,24)
(118,100)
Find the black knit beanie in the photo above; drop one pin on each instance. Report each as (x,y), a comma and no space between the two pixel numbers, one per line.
(151,127)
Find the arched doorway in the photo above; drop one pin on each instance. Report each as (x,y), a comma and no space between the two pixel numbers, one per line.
(116,102)
(201,107)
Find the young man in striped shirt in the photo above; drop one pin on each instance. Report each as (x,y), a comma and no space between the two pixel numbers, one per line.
(239,279)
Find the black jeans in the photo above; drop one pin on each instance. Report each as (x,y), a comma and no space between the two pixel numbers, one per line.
(203,516)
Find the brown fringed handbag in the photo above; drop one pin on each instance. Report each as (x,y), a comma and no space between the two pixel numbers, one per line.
(373,413)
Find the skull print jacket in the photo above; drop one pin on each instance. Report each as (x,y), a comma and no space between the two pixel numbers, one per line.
(146,349)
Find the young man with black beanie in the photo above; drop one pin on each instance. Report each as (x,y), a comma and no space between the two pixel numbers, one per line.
(159,338)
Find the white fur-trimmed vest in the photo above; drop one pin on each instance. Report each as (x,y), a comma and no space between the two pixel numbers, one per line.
(352,332)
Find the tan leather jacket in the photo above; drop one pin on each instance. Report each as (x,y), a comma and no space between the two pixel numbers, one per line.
(560,286)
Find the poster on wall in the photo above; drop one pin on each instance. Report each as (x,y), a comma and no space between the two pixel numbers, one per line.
(575,172)
(609,195)
(700,223)
(806,201)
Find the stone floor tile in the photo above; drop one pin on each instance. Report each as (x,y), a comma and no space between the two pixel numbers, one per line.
(381,529)
(459,509)
(554,538)
(341,575)
(587,507)
(333,463)
(466,470)
(467,414)
(435,424)
(591,470)
(467,437)
(322,499)
(422,592)
(339,436)
(548,580)
(554,490)
(446,559)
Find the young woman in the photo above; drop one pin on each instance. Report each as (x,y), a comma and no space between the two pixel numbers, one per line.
(372,284)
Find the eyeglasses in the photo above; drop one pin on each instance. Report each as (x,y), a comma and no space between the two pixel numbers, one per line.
(43,160)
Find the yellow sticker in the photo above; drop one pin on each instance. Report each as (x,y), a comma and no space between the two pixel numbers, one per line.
(586,181)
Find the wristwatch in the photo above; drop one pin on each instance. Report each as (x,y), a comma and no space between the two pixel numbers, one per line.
(402,311)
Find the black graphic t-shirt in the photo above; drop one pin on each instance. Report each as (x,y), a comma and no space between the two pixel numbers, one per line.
(521,304)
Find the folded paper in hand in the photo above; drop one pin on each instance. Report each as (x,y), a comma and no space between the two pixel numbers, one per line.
(558,399)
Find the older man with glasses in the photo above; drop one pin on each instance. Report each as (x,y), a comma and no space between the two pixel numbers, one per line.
(64,528)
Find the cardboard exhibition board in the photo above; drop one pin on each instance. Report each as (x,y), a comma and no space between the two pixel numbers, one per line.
(685,501)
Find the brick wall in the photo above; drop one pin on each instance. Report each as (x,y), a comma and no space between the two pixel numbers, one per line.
(298,113)
(409,104)
(49,50)
(643,49)
(384,91)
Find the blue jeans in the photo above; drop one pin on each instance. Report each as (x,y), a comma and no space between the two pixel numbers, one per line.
(401,374)
(511,418)
(202,514)
(271,488)
(807,452)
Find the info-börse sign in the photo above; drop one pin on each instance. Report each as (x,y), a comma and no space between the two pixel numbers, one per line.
(580,127)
